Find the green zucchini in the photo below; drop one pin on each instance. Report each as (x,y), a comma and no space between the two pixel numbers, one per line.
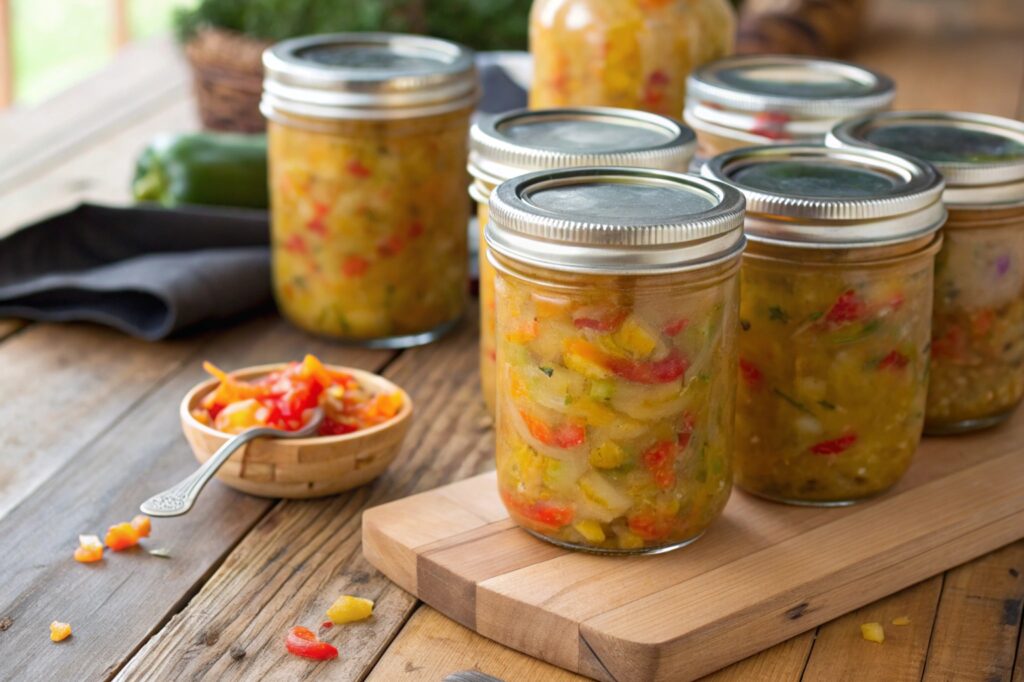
(218,169)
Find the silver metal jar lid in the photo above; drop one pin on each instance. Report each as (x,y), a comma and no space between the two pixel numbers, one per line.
(615,220)
(811,196)
(804,86)
(523,141)
(980,156)
(367,76)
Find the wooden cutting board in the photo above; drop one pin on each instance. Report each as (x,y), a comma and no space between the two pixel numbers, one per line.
(762,574)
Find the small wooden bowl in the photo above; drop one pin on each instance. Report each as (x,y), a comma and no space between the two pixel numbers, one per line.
(303,467)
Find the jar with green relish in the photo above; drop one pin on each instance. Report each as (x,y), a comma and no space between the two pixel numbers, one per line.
(367,142)
(977,351)
(617,294)
(777,99)
(524,141)
(835,318)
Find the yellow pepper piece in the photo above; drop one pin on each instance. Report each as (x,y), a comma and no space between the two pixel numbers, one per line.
(633,337)
(873,632)
(59,631)
(583,358)
(630,540)
(591,530)
(608,455)
(348,609)
(901,620)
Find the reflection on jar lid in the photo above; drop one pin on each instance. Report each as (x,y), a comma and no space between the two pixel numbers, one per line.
(782,97)
(615,220)
(368,76)
(812,196)
(523,141)
(980,156)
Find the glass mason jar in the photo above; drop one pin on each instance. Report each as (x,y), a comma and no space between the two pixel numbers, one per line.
(367,147)
(977,352)
(523,141)
(633,54)
(777,99)
(835,318)
(617,294)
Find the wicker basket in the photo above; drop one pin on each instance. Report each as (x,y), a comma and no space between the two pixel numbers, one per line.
(227,74)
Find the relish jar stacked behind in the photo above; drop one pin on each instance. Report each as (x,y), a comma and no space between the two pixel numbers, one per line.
(634,54)
(367,147)
(777,99)
(523,141)
(977,369)
(617,295)
(835,318)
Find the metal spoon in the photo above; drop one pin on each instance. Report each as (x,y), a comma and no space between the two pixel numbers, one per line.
(178,499)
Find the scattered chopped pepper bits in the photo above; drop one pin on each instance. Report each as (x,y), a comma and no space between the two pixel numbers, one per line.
(348,609)
(89,550)
(121,536)
(901,620)
(873,632)
(59,631)
(304,642)
(141,525)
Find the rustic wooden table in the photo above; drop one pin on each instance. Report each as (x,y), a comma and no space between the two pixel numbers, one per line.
(88,429)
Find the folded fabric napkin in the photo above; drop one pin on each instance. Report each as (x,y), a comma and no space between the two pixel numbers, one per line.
(146,271)
(152,272)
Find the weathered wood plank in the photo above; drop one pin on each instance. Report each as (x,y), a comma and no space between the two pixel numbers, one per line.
(303,555)
(841,653)
(431,646)
(143,78)
(979,619)
(782,662)
(116,605)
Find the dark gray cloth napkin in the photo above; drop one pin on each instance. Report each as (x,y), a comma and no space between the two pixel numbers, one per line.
(152,272)
(147,271)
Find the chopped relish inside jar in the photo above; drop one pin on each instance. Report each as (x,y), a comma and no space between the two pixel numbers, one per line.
(835,318)
(616,336)
(977,346)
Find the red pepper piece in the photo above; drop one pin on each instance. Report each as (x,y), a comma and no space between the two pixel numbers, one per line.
(660,461)
(950,346)
(329,427)
(895,360)
(542,512)
(686,425)
(356,168)
(303,642)
(834,446)
(296,244)
(669,368)
(751,373)
(607,320)
(567,435)
(847,308)
(674,327)
(354,266)
(415,229)
(391,245)
(650,526)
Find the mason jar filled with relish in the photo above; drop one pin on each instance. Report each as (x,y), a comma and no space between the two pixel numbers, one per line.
(777,99)
(367,149)
(523,141)
(835,318)
(633,54)
(977,370)
(617,298)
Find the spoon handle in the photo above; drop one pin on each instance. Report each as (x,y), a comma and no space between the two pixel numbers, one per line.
(178,499)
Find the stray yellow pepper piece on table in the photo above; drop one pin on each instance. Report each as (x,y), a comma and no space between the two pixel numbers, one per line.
(348,609)
(873,632)
(901,620)
(59,631)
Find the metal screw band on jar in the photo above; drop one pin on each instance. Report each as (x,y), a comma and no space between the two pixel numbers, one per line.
(615,220)
(980,156)
(783,96)
(378,76)
(523,141)
(811,196)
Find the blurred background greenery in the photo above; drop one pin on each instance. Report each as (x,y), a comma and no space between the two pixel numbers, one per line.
(58,42)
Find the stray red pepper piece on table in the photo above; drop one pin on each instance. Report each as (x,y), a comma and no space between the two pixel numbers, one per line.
(834,446)
(304,642)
